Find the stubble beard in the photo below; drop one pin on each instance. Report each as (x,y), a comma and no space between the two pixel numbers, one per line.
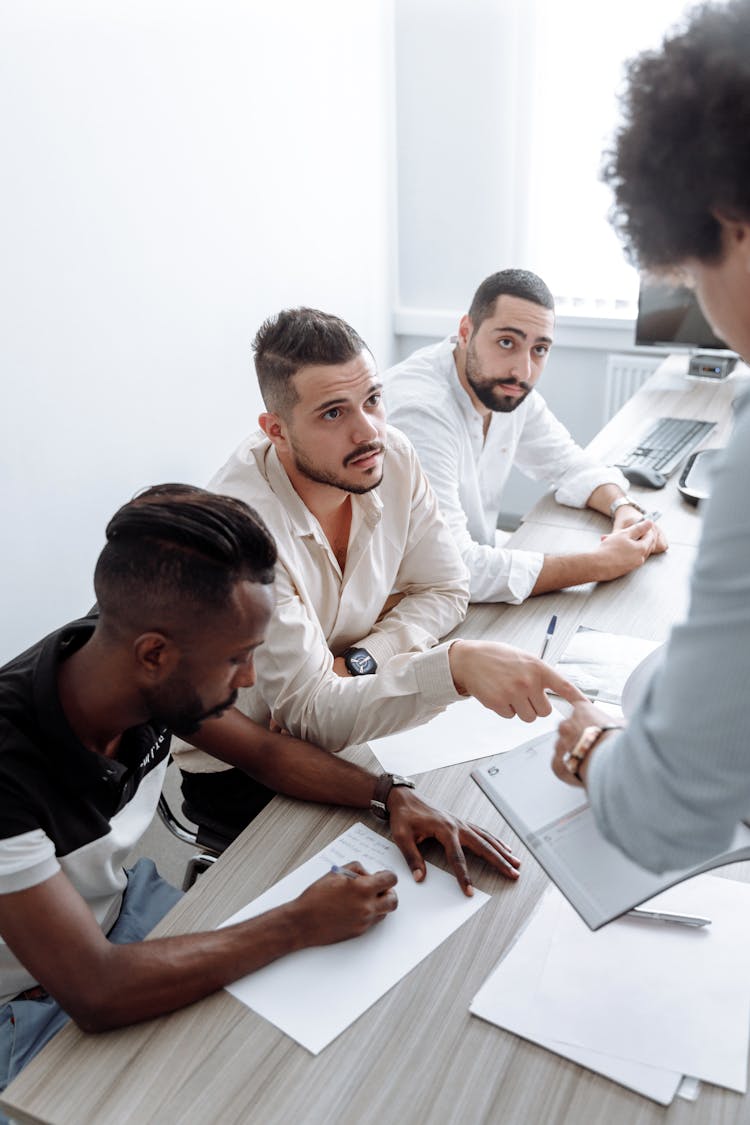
(323,476)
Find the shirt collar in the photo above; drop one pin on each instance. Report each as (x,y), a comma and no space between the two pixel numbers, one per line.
(60,742)
(460,394)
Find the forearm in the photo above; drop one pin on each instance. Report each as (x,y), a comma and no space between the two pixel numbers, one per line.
(602,498)
(561,571)
(285,764)
(417,619)
(317,705)
(136,982)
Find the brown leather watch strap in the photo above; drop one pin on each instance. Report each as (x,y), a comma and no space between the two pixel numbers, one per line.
(575,758)
(382,791)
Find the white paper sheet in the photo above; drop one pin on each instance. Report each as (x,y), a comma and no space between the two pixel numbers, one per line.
(667,995)
(508,998)
(314,994)
(464,731)
(599,663)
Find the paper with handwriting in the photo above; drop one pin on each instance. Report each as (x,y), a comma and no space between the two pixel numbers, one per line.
(314,994)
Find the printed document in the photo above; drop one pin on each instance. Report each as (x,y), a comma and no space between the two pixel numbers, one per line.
(599,664)
(555,822)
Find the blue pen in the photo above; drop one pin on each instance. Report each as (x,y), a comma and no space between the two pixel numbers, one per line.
(550,631)
(336,870)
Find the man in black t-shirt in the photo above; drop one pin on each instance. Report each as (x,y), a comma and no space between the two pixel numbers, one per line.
(184,589)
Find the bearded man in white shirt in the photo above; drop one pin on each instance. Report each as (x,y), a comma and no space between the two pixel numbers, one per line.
(368,577)
(469,406)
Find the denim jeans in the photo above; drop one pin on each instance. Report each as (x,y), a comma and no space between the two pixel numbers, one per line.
(26,1025)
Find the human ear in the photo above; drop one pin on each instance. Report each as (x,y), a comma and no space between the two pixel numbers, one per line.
(735,233)
(273,427)
(465,329)
(156,655)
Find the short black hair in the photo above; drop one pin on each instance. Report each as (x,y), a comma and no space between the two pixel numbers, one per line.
(683,149)
(176,551)
(294,339)
(511,283)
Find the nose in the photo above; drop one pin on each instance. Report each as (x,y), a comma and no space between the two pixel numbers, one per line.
(521,368)
(365,428)
(244,677)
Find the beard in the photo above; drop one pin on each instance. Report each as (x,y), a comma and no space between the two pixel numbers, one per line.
(490,391)
(325,476)
(177,706)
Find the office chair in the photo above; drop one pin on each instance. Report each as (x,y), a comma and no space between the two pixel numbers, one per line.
(208,837)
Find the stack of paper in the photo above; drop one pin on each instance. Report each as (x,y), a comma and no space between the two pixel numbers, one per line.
(641,1002)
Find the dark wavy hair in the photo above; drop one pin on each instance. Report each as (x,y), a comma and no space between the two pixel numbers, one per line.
(174,552)
(683,150)
(294,339)
(511,283)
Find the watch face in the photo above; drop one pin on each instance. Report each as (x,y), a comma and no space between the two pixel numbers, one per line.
(359,662)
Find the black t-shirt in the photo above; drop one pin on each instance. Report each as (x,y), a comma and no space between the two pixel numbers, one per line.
(62,805)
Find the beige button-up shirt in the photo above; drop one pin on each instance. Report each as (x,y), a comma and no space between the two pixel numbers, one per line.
(399,543)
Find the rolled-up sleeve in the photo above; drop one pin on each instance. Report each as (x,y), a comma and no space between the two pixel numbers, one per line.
(547,452)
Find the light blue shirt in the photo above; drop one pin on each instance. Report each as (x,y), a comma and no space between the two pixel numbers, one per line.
(670,790)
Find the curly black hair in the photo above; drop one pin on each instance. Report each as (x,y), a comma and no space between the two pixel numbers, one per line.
(683,150)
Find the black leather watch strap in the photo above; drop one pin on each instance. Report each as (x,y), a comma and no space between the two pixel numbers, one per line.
(382,791)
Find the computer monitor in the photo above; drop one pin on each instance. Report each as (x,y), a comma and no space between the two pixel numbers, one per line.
(671,317)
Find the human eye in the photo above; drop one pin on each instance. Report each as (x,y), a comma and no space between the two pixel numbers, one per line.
(375,399)
(541,349)
(506,342)
(332,414)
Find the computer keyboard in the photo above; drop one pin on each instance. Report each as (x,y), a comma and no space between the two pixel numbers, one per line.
(665,444)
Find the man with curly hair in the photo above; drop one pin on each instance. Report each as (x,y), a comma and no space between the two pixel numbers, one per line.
(670,789)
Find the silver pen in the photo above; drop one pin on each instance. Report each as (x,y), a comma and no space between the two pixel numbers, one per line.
(667,916)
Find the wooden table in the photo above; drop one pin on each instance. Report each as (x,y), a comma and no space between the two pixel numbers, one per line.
(416,1057)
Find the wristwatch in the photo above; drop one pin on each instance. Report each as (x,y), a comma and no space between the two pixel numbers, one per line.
(359,662)
(621,501)
(574,759)
(383,786)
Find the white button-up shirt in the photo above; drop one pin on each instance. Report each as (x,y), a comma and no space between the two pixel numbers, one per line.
(469,470)
(398,543)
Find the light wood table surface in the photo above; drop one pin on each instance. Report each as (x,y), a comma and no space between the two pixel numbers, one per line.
(416,1057)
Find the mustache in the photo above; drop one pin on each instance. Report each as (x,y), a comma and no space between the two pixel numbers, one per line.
(362,450)
(513,383)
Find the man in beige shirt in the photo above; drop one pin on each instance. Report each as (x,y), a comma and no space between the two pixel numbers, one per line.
(369,577)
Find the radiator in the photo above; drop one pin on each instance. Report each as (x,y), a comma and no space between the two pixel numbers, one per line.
(625,374)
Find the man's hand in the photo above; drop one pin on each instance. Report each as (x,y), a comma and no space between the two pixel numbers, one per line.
(625,550)
(628,517)
(413,820)
(507,680)
(570,730)
(340,668)
(337,907)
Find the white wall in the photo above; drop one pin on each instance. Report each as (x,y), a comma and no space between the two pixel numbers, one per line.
(172,173)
